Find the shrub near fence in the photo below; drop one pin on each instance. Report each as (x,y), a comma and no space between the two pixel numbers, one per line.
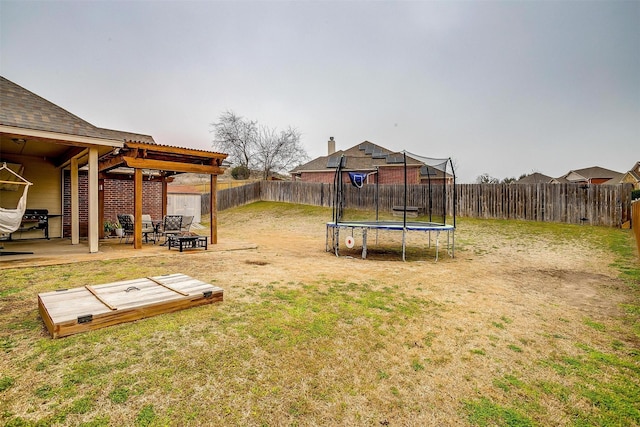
(606,205)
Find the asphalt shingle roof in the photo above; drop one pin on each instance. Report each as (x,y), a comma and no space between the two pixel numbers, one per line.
(24,109)
(594,172)
(364,156)
(535,178)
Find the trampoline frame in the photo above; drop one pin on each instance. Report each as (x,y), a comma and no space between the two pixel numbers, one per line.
(365,226)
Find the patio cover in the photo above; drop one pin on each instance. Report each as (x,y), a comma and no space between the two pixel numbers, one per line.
(33,127)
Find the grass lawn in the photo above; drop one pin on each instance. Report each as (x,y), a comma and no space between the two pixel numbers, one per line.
(530,324)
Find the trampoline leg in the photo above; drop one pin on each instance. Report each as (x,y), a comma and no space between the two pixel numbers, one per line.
(364,243)
(437,244)
(336,240)
(449,242)
(404,244)
(453,243)
(326,240)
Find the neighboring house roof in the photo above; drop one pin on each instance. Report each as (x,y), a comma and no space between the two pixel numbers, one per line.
(26,110)
(588,174)
(365,156)
(535,178)
(358,157)
(615,180)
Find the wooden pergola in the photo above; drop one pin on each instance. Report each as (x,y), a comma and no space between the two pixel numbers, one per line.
(134,157)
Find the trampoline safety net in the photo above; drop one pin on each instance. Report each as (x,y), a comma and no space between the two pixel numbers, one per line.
(400,192)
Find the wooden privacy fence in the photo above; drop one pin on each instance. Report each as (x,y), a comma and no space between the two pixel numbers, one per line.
(304,193)
(607,205)
(232,197)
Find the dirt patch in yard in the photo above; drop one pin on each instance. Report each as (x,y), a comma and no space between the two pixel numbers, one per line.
(596,294)
(575,276)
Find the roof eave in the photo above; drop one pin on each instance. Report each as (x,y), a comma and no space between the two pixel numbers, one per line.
(63,137)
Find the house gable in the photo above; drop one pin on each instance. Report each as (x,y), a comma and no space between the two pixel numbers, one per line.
(632,177)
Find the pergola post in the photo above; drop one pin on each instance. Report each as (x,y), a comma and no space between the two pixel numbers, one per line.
(93,201)
(213,209)
(75,203)
(164,196)
(137,208)
(101,208)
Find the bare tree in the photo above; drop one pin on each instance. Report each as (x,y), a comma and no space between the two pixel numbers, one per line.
(279,151)
(237,137)
(485,178)
(258,147)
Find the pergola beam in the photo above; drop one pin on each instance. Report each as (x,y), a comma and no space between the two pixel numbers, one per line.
(175,150)
(111,163)
(138,163)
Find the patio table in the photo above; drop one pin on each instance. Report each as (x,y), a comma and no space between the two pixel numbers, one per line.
(187,242)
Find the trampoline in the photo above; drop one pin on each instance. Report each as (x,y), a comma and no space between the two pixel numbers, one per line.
(424,207)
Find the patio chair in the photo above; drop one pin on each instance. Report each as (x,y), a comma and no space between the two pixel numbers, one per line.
(187,220)
(148,228)
(171,226)
(126,222)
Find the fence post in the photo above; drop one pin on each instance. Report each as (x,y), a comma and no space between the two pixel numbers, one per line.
(635,221)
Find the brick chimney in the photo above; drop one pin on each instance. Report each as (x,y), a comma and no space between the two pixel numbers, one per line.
(332,146)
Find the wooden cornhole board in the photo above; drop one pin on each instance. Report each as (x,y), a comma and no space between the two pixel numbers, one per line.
(70,311)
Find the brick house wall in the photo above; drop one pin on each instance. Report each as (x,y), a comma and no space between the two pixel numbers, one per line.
(387,175)
(395,175)
(326,177)
(118,199)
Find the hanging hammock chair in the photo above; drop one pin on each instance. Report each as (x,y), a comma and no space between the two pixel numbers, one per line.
(10,219)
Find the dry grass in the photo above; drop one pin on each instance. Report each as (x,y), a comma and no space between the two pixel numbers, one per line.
(531,324)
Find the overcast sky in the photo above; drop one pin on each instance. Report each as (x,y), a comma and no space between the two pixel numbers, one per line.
(501,87)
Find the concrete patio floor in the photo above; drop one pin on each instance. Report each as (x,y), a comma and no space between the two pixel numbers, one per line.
(61,251)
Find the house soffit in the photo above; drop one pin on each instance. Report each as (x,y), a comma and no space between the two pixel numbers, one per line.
(53,148)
